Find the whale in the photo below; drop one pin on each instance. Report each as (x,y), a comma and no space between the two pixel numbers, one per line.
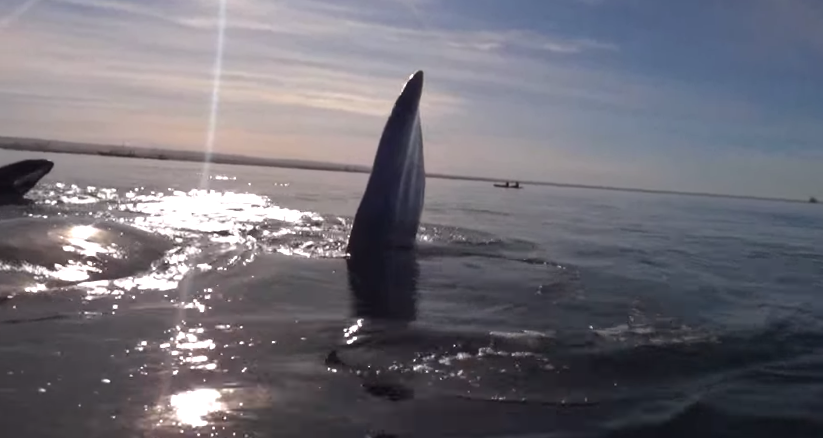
(391,206)
(383,269)
(16,179)
(381,250)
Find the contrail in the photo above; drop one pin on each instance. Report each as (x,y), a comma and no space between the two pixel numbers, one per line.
(16,13)
(215,93)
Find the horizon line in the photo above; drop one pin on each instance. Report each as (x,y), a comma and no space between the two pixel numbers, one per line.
(83,148)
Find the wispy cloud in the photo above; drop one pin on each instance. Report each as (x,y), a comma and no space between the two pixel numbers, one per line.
(165,52)
(15,13)
(314,79)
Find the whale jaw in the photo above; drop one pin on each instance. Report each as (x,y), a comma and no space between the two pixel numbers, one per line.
(389,212)
(18,178)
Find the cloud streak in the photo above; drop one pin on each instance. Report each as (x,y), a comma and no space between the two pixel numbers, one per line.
(15,14)
(315,79)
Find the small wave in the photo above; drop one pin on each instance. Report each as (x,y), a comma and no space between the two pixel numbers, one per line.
(34,319)
(484,211)
(649,334)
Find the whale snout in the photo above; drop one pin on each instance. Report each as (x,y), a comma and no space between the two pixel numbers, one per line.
(412,91)
(18,178)
(45,165)
(37,166)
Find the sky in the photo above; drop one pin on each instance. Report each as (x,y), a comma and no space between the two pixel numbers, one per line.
(698,95)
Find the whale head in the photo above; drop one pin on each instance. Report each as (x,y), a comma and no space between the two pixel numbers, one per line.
(389,212)
(18,178)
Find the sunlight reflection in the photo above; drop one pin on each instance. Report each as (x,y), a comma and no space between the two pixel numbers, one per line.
(189,348)
(192,407)
(176,267)
(240,223)
(209,411)
(83,232)
(73,272)
(78,242)
(350,333)
(209,211)
(39,287)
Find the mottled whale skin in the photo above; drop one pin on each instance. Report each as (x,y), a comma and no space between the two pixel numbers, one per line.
(18,178)
(382,264)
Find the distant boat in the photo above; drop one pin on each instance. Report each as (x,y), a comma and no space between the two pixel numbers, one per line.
(812,200)
(508,185)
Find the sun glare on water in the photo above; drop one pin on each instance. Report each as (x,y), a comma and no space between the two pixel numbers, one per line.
(192,407)
(82,232)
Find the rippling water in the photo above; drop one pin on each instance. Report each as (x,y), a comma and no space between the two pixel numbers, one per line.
(140,298)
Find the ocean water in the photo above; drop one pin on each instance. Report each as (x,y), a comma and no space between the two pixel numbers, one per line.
(144,298)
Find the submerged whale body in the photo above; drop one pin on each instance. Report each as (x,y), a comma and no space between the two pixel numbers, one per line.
(18,178)
(47,253)
(382,264)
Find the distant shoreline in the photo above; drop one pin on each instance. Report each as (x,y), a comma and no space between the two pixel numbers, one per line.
(75,148)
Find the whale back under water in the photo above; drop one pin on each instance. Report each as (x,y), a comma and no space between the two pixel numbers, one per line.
(38,253)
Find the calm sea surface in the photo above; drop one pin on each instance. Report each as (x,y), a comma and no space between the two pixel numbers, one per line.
(143,298)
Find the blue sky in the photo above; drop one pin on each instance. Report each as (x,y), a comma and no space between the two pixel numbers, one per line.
(697,95)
